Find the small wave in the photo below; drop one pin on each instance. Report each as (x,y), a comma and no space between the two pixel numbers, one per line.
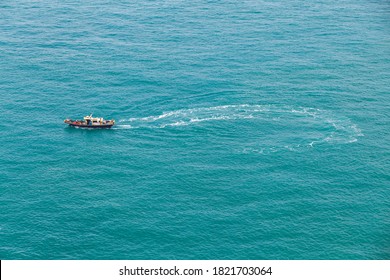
(123,126)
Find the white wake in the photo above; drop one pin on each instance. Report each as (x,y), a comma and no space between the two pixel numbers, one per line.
(325,125)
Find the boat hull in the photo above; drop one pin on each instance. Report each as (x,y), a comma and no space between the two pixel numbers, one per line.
(84,125)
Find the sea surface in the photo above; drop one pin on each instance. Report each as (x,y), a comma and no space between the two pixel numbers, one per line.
(251,129)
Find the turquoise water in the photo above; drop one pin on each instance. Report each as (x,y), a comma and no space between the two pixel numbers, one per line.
(245,129)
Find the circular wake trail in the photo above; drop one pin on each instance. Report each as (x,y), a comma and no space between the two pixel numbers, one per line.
(308,126)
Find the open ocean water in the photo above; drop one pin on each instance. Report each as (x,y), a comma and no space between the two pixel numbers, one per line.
(251,129)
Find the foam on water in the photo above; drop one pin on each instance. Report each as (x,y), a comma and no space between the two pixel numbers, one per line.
(325,125)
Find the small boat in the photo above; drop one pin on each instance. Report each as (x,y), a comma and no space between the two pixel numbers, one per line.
(90,122)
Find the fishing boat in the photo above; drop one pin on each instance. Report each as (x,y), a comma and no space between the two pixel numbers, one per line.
(90,122)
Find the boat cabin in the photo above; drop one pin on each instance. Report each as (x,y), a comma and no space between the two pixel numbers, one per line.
(93,121)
